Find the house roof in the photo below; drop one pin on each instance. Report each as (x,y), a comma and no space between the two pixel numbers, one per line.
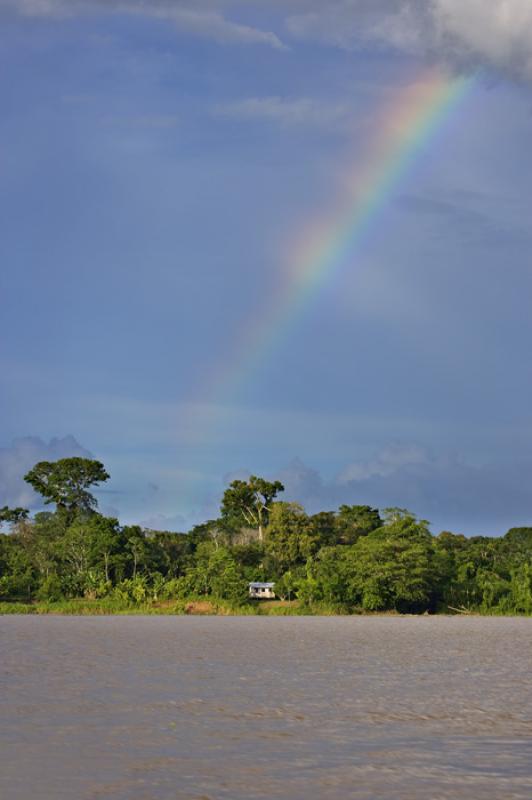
(258,585)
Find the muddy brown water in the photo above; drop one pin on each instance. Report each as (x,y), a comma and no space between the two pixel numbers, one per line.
(175,708)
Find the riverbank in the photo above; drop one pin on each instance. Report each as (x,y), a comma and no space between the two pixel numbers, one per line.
(203,607)
(193,607)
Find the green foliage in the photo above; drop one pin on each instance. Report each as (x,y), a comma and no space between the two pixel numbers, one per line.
(291,538)
(352,522)
(65,482)
(16,608)
(75,560)
(13,515)
(391,568)
(249,501)
(520,595)
(50,588)
(286,585)
(132,590)
(326,579)
(214,572)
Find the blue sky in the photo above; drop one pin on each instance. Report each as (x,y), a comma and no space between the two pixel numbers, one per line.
(156,162)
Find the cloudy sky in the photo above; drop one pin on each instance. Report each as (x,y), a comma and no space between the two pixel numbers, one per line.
(160,163)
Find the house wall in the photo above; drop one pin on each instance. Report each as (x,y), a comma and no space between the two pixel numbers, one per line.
(262,594)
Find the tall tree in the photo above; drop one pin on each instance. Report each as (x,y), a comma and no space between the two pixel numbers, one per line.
(352,522)
(291,538)
(394,567)
(249,501)
(65,482)
(12,515)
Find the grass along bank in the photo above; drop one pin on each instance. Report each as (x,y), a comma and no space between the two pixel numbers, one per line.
(192,607)
(200,606)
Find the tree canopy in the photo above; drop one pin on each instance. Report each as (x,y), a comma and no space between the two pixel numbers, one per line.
(356,559)
(250,501)
(13,515)
(66,482)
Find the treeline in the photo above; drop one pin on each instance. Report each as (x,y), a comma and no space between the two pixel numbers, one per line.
(351,560)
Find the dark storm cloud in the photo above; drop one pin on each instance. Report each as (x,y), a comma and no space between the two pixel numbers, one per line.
(485,499)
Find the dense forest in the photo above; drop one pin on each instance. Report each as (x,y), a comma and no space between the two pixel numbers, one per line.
(353,560)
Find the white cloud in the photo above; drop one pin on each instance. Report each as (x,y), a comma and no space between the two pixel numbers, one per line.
(17,459)
(471,33)
(464,32)
(341,23)
(187,18)
(211,25)
(497,33)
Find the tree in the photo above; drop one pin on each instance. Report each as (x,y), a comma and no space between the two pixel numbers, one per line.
(353,522)
(290,537)
(17,578)
(136,546)
(42,542)
(12,515)
(170,552)
(250,501)
(517,544)
(521,589)
(394,514)
(328,572)
(286,585)
(214,572)
(106,542)
(324,525)
(226,579)
(394,567)
(65,483)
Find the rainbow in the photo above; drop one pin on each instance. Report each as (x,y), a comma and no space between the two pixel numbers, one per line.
(406,128)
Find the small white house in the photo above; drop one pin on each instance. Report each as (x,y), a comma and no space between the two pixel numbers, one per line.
(261,591)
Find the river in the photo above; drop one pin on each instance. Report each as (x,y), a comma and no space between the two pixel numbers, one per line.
(296,708)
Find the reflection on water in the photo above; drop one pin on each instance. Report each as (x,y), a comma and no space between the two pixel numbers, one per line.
(163,708)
